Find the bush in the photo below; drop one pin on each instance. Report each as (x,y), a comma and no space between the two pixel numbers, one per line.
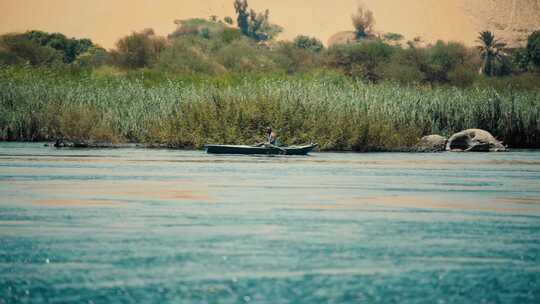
(69,47)
(188,56)
(462,76)
(292,60)
(533,48)
(196,27)
(138,50)
(308,43)
(244,56)
(95,57)
(442,59)
(360,60)
(19,49)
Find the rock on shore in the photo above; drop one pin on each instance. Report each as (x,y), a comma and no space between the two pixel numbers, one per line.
(432,143)
(474,140)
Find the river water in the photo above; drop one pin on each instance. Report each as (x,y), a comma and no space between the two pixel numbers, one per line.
(155,226)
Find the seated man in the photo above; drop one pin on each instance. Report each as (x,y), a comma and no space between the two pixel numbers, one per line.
(271,139)
(271,136)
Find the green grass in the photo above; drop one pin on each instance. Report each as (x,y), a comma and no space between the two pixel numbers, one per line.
(337,113)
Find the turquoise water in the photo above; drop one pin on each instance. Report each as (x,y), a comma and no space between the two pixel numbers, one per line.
(155,226)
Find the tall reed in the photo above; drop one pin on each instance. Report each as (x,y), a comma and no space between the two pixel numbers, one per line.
(337,113)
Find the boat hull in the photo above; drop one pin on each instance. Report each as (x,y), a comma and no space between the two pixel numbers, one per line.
(234,149)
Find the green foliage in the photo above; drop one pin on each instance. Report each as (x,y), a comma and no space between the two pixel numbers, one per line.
(242,56)
(228,35)
(94,57)
(17,48)
(308,43)
(255,25)
(491,52)
(138,50)
(442,59)
(393,37)
(187,55)
(533,48)
(291,59)
(338,113)
(521,60)
(197,27)
(69,47)
(461,76)
(360,60)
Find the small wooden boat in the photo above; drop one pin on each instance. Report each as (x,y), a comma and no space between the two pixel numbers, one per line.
(271,150)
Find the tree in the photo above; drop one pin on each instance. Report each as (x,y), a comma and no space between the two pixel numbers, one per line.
(533,48)
(96,56)
(308,43)
(361,60)
(443,58)
(70,47)
(491,52)
(139,49)
(255,25)
(363,22)
(19,49)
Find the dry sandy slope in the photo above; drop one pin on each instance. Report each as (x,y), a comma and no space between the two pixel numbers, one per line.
(105,21)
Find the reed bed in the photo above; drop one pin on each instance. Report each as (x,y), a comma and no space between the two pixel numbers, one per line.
(337,113)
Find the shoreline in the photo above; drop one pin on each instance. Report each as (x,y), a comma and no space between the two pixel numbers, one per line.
(156,146)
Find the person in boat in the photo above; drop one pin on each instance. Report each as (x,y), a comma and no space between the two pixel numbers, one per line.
(271,136)
(270,140)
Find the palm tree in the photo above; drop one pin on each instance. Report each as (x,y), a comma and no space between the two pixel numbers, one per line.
(491,51)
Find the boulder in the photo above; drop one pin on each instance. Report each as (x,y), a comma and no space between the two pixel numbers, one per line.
(432,143)
(343,37)
(474,140)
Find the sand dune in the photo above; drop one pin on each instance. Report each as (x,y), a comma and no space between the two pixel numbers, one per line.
(105,21)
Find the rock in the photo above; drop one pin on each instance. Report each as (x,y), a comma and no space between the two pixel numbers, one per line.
(343,37)
(474,140)
(432,143)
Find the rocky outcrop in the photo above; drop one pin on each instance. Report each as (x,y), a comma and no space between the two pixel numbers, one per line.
(474,140)
(432,143)
(510,20)
(343,37)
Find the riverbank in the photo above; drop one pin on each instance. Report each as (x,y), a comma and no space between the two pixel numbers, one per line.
(336,112)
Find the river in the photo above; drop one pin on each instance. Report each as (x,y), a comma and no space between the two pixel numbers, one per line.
(155,226)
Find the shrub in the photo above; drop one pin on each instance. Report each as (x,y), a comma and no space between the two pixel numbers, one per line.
(442,59)
(138,50)
(462,76)
(308,43)
(360,60)
(292,59)
(188,56)
(95,57)
(69,47)
(533,48)
(19,49)
(243,56)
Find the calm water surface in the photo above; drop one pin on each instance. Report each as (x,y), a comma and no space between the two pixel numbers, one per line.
(154,226)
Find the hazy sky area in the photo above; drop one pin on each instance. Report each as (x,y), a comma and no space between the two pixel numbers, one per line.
(104,21)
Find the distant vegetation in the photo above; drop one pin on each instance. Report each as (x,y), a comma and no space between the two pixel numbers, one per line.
(363,22)
(188,111)
(213,79)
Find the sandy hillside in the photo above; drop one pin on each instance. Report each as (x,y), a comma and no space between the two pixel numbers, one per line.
(105,21)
